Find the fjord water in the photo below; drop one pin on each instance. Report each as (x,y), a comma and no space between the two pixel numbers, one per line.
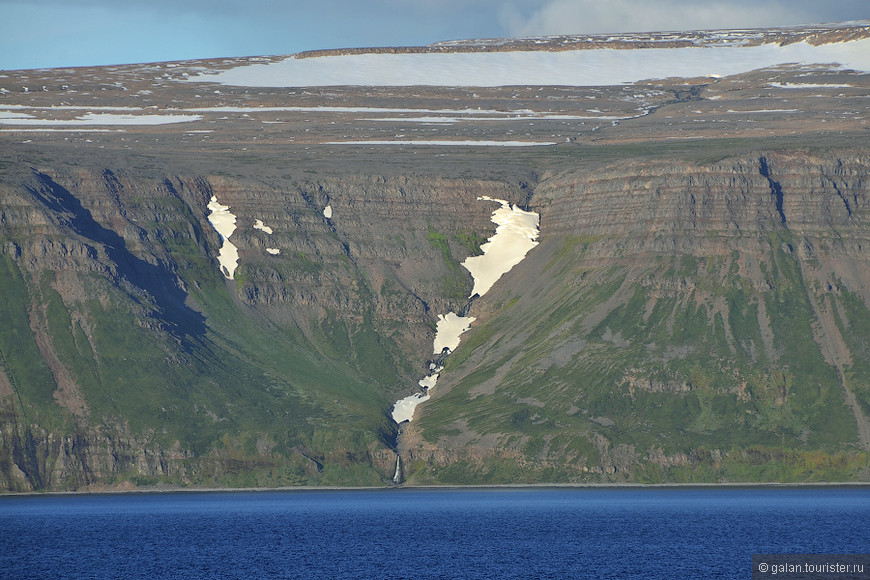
(435,533)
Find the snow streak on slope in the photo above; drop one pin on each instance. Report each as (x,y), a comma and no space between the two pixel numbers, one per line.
(516,234)
(592,67)
(224,222)
(449,329)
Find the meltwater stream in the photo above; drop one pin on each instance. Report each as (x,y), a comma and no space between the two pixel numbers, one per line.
(516,233)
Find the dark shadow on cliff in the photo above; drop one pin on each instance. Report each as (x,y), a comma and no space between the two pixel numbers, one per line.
(157,281)
(775,188)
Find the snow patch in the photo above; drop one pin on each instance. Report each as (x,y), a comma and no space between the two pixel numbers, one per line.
(448,330)
(44,130)
(516,234)
(764,111)
(12,115)
(593,67)
(71,108)
(225,223)
(404,409)
(327,212)
(259,225)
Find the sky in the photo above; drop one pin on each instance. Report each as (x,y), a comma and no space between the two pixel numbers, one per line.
(60,33)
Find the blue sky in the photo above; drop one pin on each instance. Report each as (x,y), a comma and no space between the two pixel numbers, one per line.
(53,33)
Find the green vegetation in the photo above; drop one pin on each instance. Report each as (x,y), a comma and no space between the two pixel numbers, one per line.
(455,285)
(237,399)
(20,357)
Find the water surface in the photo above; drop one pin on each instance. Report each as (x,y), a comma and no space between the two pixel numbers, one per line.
(413,533)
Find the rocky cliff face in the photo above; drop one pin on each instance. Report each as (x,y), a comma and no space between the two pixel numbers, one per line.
(729,295)
(694,288)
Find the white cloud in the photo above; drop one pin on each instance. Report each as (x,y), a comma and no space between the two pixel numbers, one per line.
(587,16)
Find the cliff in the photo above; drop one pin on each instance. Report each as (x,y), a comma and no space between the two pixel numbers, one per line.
(680,322)
(129,353)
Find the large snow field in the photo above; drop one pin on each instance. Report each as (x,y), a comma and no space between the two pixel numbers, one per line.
(592,67)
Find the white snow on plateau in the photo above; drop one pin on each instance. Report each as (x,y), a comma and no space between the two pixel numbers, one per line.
(6,115)
(481,143)
(592,67)
(764,111)
(457,114)
(517,117)
(48,130)
(225,223)
(72,108)
(100,119)
(327,212)
(333,109)
(809,86)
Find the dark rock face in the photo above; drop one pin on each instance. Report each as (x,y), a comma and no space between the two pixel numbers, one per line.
(808,195)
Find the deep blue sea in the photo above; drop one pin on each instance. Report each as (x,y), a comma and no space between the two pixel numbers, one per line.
(435,533)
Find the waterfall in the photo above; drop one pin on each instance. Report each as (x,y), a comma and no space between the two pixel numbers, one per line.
(397,477)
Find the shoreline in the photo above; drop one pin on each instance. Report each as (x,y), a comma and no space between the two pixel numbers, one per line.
(480,487)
